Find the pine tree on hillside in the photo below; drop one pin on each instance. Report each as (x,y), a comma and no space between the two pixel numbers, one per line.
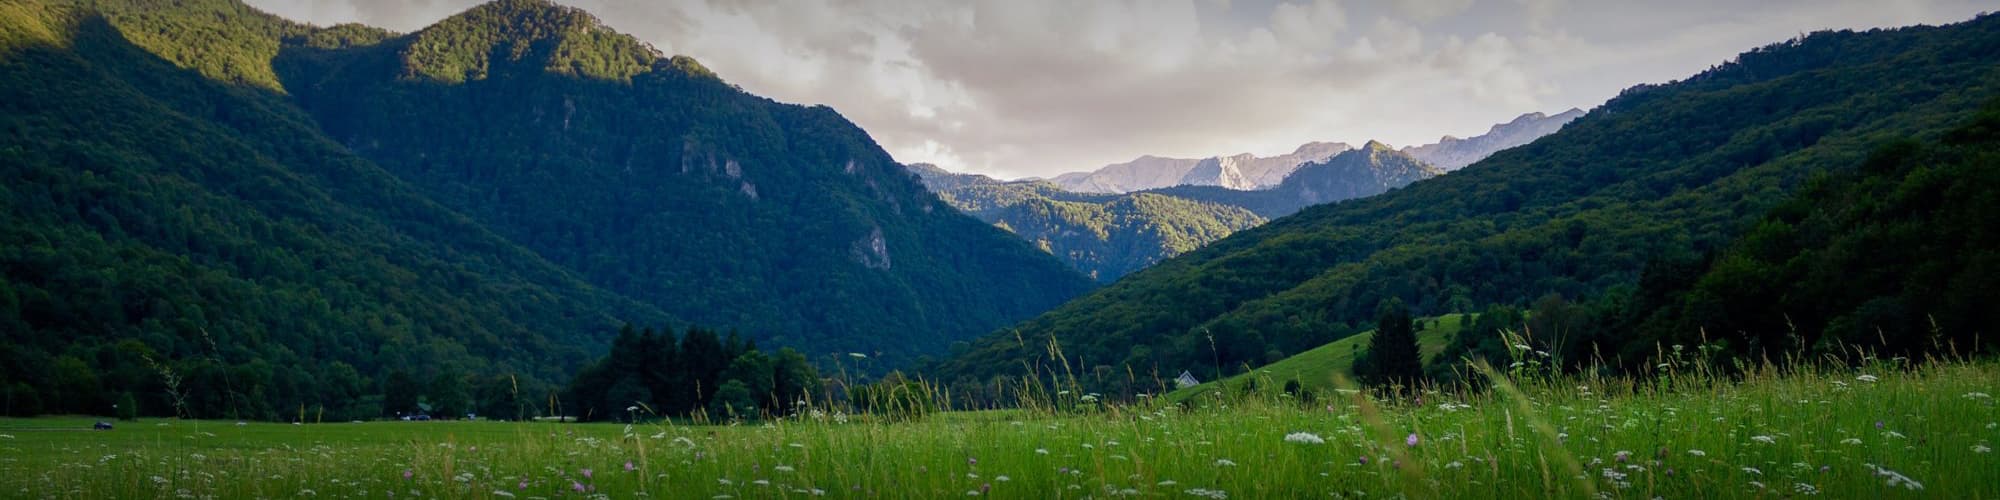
(1392,355)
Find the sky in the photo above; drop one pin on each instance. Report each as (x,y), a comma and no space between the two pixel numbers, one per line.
(1016,88)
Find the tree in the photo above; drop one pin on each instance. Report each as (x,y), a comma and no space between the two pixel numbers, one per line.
(128,407)
(753,369)
(399,394)
(794,379)
(447,395)
(733,400)
(1393,356)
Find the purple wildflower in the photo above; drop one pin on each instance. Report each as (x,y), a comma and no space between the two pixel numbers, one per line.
(407,473)
(1412,440)
(576,486)
(586,473)
(971,461)
(1364,460)
(522,486)
(1878,424)
(629,467)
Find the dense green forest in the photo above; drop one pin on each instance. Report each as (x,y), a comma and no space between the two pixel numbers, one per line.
(1660,174)
(174,232)
(1105,236)
(180,232)
(652,374)
(785,222)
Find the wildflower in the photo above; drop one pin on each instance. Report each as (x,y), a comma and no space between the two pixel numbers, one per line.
(1411,440)
(1168,482)
(1758,484)
(971,461)
(1851,441)
(503,494)
(522,486)
(1364,460)
(586,474)
(629,467)
(1753,471)
(1977,395)
(1878,425)
(1304,438)
(1764,439)
(1981,448)
(1208,493)
(1893,478)
(1002,478)
(857,355)
(1041,451)
(1697,453)
(1224,462)
(783,468)
(576,486)
(407,473)
(1865,377)
(1621,456)
(1454,465)
(1805,489)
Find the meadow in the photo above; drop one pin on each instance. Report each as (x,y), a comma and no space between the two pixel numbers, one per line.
(1889,431)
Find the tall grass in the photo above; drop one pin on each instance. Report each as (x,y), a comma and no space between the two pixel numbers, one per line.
(1893,428)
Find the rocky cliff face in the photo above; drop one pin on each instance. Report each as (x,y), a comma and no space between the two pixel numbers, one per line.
(1241,171)
(1452,153)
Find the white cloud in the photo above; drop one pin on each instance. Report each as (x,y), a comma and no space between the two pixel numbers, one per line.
(1039,87)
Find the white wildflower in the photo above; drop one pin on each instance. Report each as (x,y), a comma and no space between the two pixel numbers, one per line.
(1764,439)
(1697,453)
(1866,378)
(1208,493)
(1304,438)
(1851,441)
(1753,471)
(1041,451)
(1981,448)
(1805,489)
(1224,462)
(1893,478)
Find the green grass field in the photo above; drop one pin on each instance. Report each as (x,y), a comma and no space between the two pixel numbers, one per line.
(1314,369)
(1896,433)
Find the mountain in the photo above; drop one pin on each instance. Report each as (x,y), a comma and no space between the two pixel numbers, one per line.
(1110,235)
(1357,173)
(1452,153)
(1105,236)
(203,200)
(1145,172)
(170,218)
(1657,173)
(651,177)
(1241,172)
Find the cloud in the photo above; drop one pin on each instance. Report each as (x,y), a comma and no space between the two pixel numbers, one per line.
(1040,87)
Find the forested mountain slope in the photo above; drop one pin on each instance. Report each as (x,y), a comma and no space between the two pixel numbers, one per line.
(652,177)
(166,211)
(1659,172)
